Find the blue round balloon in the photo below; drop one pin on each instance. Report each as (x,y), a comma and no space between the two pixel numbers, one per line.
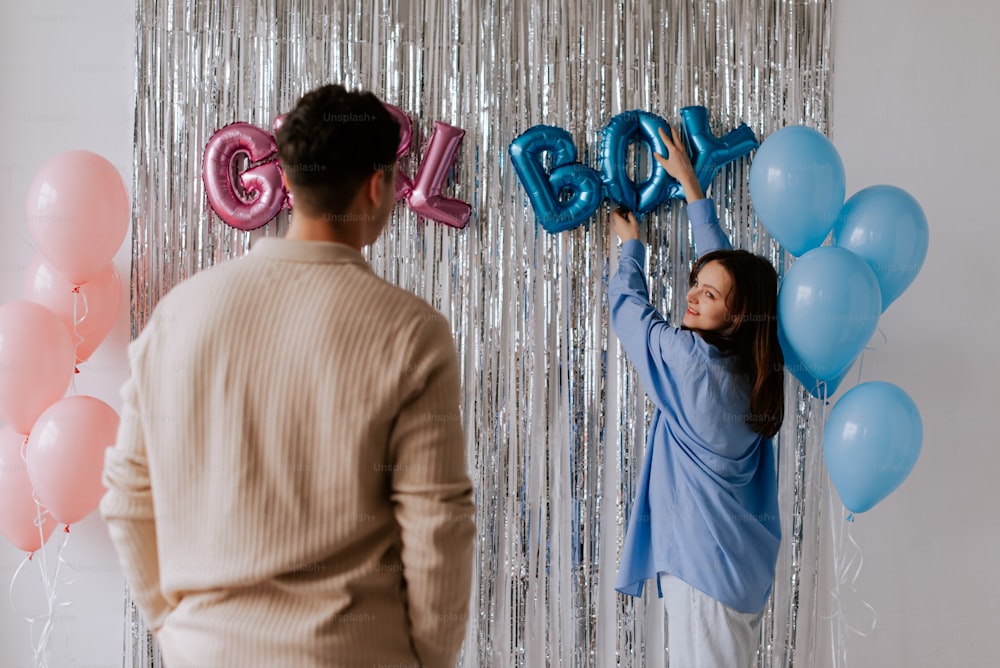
(871,443)
(828,308)
(797,187)
(820,389)
(886,226)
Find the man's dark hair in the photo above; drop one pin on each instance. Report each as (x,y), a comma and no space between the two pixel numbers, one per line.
(331,142)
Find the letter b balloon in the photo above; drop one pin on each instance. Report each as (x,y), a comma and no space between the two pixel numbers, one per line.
(871,442)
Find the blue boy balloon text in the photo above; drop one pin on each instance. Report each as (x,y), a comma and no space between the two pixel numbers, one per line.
(564,193)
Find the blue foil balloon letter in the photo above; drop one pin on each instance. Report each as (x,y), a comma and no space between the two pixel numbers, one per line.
(570,193)
(620,132)
(708,152)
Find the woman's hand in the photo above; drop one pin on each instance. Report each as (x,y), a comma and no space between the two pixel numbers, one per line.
(678,165)
(625,224)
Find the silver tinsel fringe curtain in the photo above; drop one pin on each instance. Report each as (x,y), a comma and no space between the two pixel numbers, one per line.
(555,418)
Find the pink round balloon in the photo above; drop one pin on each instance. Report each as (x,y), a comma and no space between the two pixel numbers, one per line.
(78,213)
(88,310)
(19,513)
(66,455)
(36,362)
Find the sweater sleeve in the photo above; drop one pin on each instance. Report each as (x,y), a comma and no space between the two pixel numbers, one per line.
(432,497)
(657,350)
(708,234)
(127,508)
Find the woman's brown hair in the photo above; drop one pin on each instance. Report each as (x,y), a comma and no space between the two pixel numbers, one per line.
(753,333)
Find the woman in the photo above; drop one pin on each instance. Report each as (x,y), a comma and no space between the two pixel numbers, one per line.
(705,517)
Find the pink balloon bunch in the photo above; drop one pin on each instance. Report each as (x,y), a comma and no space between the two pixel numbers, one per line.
(52,448)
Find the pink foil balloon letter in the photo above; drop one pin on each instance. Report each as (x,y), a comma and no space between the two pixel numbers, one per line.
(259,194)
(425,196)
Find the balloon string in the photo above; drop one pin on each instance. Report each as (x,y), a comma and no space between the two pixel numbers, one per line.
(885,339)
(41,643)
(41,639)
(838,641)
(861,359)
(78,294)
(848,560)
(856,575)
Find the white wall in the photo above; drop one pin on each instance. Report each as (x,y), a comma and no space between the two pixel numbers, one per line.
(914,99)
(66,82)
(915,105)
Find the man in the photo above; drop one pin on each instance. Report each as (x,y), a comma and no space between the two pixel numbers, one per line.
(289,487)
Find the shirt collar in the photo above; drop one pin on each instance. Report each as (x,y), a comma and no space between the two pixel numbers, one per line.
(293,250)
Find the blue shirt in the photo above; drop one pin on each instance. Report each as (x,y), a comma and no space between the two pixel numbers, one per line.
(706,505)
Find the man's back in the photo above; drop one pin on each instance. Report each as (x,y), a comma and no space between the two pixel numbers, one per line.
(300,422)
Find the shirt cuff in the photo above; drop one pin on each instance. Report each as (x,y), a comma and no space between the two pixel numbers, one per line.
(701,212)
(635,249)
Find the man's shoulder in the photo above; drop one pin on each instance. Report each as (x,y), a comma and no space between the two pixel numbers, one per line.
(356,287)
(405,304)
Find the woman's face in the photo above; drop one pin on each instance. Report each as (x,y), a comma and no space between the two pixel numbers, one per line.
(707,299)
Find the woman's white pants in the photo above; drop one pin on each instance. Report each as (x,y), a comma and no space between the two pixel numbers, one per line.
(704,633)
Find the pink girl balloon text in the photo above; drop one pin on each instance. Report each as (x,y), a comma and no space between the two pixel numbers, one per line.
(250,198)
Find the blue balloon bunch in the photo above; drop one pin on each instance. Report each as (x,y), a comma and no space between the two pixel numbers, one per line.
(831,298)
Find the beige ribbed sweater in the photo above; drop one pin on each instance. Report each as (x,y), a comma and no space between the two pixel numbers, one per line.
(289,484)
